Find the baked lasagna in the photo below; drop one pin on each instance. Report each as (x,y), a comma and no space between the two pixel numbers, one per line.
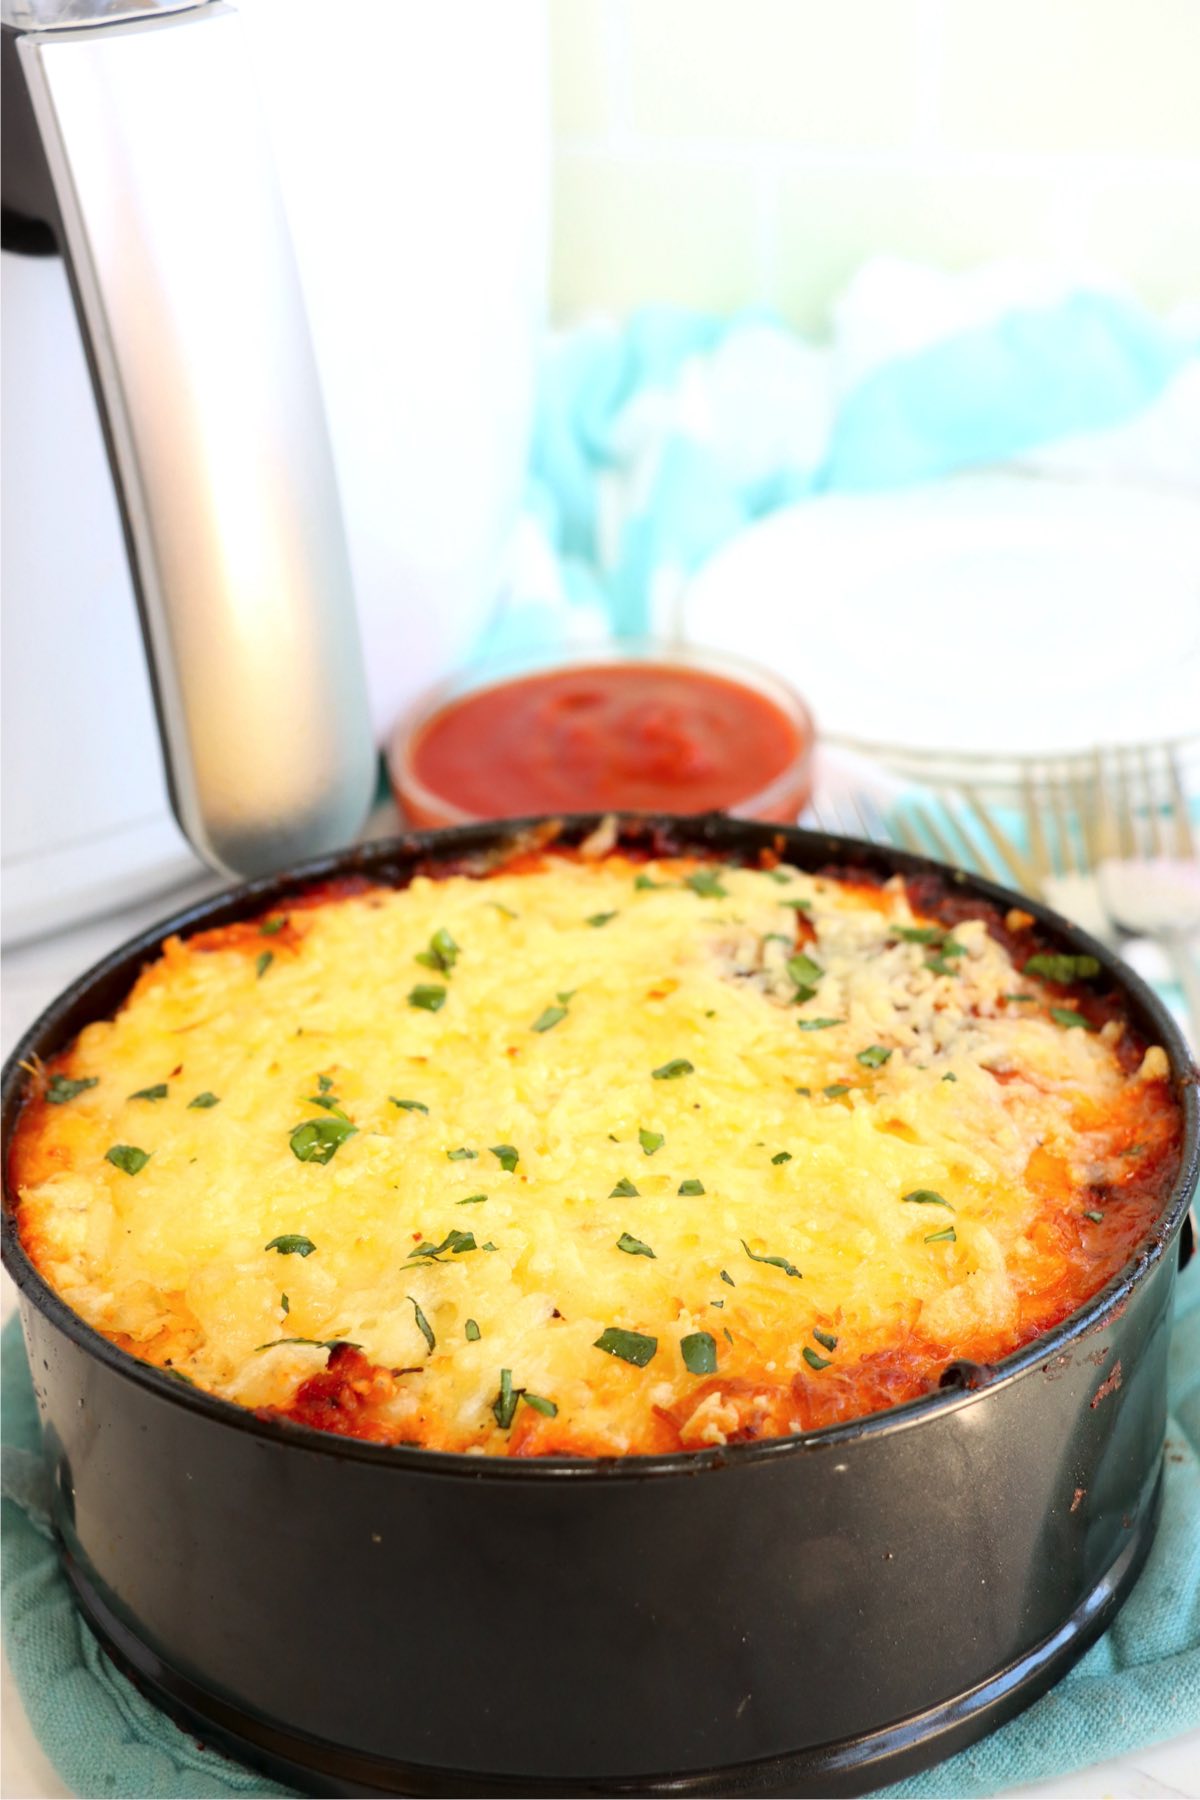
(592,1152)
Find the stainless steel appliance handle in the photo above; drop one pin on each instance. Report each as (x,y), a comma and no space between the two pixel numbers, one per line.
(186,288)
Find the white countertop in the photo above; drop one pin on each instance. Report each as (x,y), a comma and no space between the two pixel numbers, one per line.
(32,976)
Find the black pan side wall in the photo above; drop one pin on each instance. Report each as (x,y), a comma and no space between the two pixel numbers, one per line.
(621,1627)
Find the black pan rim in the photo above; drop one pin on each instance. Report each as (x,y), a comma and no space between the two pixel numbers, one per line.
(703,832)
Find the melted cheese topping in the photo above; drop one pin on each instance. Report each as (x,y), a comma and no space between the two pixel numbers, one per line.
(793,1190)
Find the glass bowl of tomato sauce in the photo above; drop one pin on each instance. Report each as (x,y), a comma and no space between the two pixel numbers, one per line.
(624,727)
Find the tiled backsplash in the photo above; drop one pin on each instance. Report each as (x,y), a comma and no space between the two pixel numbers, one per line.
(719,153)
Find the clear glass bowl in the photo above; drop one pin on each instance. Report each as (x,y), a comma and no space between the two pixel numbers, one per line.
(780,799)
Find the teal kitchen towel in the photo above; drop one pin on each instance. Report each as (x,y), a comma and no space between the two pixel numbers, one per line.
(1139,1683)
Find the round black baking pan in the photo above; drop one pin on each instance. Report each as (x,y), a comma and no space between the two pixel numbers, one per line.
(810,1615)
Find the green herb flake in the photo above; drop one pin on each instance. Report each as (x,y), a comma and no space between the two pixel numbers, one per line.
(1018,996)
(835,1090)
(487,1246)
(825,1338)
(691,1187)
(408,1105)
(650,1140)
(176,1375)
(802,969)
(728,1335)
(948,1236)
(546,1021)
(1097,1218)
(319,1140)
(262,962)
(804,1090)
(707,884)
(506,1155)
(643,882)
(782,1156)
(873,1057)
(1063,1015)
(1059,967)
(291,1244)
(630,1346)
(918,934)
(457,1242)
(776,1262)
(813,1360)
(61,1088)
(699,1353)
(671,1071)
(269,927)
(939,966)
(634,1246)
(462,1154)
(719,1304)
(157,1092)
(818,1025)
(472,1200)
(423,1325)
(540,1404)
(500,907)
(429,998)
(925,1197)
(598,919)
(203,1101)
(471,1332)
(798,905)
(315,1343)
(782,876)
(726,1276)
(803,995)
(442,953)
(285,1304)
(504,1406)
(624,1190)
(950,1075)
(127,1157)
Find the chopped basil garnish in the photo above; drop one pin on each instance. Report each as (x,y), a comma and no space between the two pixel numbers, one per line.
(540,1404)
(918,934)
(952,947)
(719,1304)
(782,876)
(949,1236)
(671,1071)
(776,1262)
(691,1187)
(408,1105)
(645,881)
(835,1090)
(782,1156)
(925,1197)
(1097,1218)
(728,1335)
(319,1140)
(699,1353)
(501,908)
(650,1140)
(813,1360)
(472,1200)
(1058,966)
(325,1083)
(707,884)
(442,953)
(429,998)
(61,1088)
(269,927)
(262,962)
(127,1157)
(726,1276)
(423,1325)
(203,1101)
(949,1075)
(328,1102)
(802,968)
(285,1303)
(803,995)
(634,1246)
(291,1244)
(1062,1015)
(600,918)
(487,1246)
(940,966)
(800,905)
(462,1154)
(804,1090)
(1018,996)
(624,1190)
(505,1404)
(873,1057)
(507,1156)
(825,1337)
(316,1343)
(157,1092)
(455,1241)
(818,1024)
(630,1346)
(546,1021)
(471,1331)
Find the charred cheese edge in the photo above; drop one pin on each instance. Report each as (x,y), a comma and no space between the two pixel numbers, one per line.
(750,1195)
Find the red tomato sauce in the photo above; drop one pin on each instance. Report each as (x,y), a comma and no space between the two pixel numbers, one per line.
(627,737)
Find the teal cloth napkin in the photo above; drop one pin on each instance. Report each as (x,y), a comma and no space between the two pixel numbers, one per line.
(1139,1683)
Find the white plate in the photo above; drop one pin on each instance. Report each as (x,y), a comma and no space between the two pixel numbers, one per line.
(989,613)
